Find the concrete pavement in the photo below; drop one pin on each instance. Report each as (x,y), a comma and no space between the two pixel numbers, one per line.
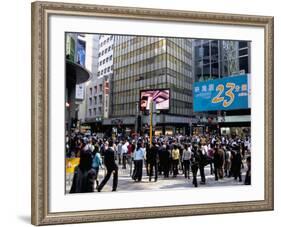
(126,183)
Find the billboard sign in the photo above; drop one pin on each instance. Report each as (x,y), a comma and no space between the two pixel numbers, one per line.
(228,93)
(161,98)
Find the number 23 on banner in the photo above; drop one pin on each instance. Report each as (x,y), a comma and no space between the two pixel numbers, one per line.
(229,93)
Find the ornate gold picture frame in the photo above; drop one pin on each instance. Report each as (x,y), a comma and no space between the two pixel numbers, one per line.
(41,12)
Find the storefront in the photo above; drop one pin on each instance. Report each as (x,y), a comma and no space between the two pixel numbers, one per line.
(235,125)
(236,131)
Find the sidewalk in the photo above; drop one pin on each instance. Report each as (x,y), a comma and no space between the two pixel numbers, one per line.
(125,182)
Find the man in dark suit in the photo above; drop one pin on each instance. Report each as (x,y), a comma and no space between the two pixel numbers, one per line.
(152,157)
(236,163)
(111,167)
(219,158)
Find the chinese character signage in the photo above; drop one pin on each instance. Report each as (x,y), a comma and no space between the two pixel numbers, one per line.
(106,99)
(228,93)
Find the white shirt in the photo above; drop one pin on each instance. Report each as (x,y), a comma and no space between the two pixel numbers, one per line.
(124,149)
(186,155)
(205,149)
(119,148)
(89,147)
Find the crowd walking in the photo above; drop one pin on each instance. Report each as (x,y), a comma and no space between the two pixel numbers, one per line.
(162,158)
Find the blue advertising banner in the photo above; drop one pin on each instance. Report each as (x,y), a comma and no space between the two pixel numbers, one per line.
(228,93)
(81,51)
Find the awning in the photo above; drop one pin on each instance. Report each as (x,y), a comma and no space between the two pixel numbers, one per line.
(76,74)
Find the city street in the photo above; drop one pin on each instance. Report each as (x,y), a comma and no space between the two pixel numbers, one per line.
(125,182)
(179,98)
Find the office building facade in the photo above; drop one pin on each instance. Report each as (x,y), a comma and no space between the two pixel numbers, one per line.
(101,62)
(151,63)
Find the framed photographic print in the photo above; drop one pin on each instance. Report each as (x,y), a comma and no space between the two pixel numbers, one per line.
(149,113)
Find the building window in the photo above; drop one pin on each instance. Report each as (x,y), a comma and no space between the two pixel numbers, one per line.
(100,110)
(107,59)
(96,89)
(243,52)
(95,111)
(95,100)
(91,101)
(90,112)
(100,87)
(91,91)
(103,61)
(98,73)
(100,99)
(108,69)
(110,57)
(102,72)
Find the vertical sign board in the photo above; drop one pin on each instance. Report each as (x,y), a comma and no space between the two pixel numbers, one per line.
(70,47)
(228,93)
(79,91)
(106,99)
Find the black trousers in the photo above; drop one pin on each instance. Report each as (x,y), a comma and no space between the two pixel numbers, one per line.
(107,176)
(175,164)
(137,175)
(124,160)
(194,169)
(202,173)
(186,168)
(237,174)
(166,168)
(211,167)
(119,159)
(153,166)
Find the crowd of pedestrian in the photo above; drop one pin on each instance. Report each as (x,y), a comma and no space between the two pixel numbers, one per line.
(164,156)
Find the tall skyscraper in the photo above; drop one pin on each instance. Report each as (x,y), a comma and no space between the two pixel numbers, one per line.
(220,58)
(151,63)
